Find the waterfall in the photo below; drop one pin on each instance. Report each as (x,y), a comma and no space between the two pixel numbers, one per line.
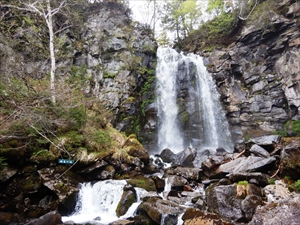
(97,203)
(169,133)
(188,104)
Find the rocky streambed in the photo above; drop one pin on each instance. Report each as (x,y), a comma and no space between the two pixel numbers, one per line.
(255,186)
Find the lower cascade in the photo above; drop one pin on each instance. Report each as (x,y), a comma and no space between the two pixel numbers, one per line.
(97,202)
(188,104)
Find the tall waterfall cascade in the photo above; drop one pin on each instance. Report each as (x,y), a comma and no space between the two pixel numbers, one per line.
(188,104)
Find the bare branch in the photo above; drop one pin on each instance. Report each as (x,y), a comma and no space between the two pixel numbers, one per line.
(245,18)
(62,29)
(44,136)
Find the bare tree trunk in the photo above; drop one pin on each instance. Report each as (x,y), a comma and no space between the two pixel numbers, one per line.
(52,55)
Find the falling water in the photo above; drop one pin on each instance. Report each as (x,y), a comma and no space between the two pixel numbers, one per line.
(169,134)
(97,203)
(189,109)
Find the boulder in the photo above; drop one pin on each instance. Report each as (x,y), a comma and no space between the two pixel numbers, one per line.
(167,155)
(161,210)
(259,151)
(185,157)
(278,192)
(282,212)
(234,202)
(176,182)
(51,218)
(290,158)
(127,199)
(268,141)
(243,164)
(249,204)
(142,182)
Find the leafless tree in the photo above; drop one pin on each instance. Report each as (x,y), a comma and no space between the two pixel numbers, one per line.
(43,8)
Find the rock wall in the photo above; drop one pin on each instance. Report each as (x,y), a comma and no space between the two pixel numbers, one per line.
(116,55)
(258,76)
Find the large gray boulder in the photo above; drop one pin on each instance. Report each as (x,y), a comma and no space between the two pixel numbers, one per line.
(236,202)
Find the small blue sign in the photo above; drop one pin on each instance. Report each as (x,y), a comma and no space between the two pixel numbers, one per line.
(65,161)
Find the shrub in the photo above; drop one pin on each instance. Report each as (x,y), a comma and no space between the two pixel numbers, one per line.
(271,181)
(295,126)
(297,185)
(243,182)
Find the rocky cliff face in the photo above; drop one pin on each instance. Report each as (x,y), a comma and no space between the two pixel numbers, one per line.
(115,54)
(258,76)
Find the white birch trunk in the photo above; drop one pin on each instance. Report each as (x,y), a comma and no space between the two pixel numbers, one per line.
(52,55)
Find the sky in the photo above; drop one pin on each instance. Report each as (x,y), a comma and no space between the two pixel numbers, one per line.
(139,13)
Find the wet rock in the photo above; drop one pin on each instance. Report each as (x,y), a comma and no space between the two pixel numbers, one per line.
(259,151)
(186,157)
(143,219)
(142,182)
(159,183)
(51,218)
(197,217)
(176,182)
(200,203)
(167,155)
(127,199)
(65,187)
(158,209)
(290,158)
(122,222)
